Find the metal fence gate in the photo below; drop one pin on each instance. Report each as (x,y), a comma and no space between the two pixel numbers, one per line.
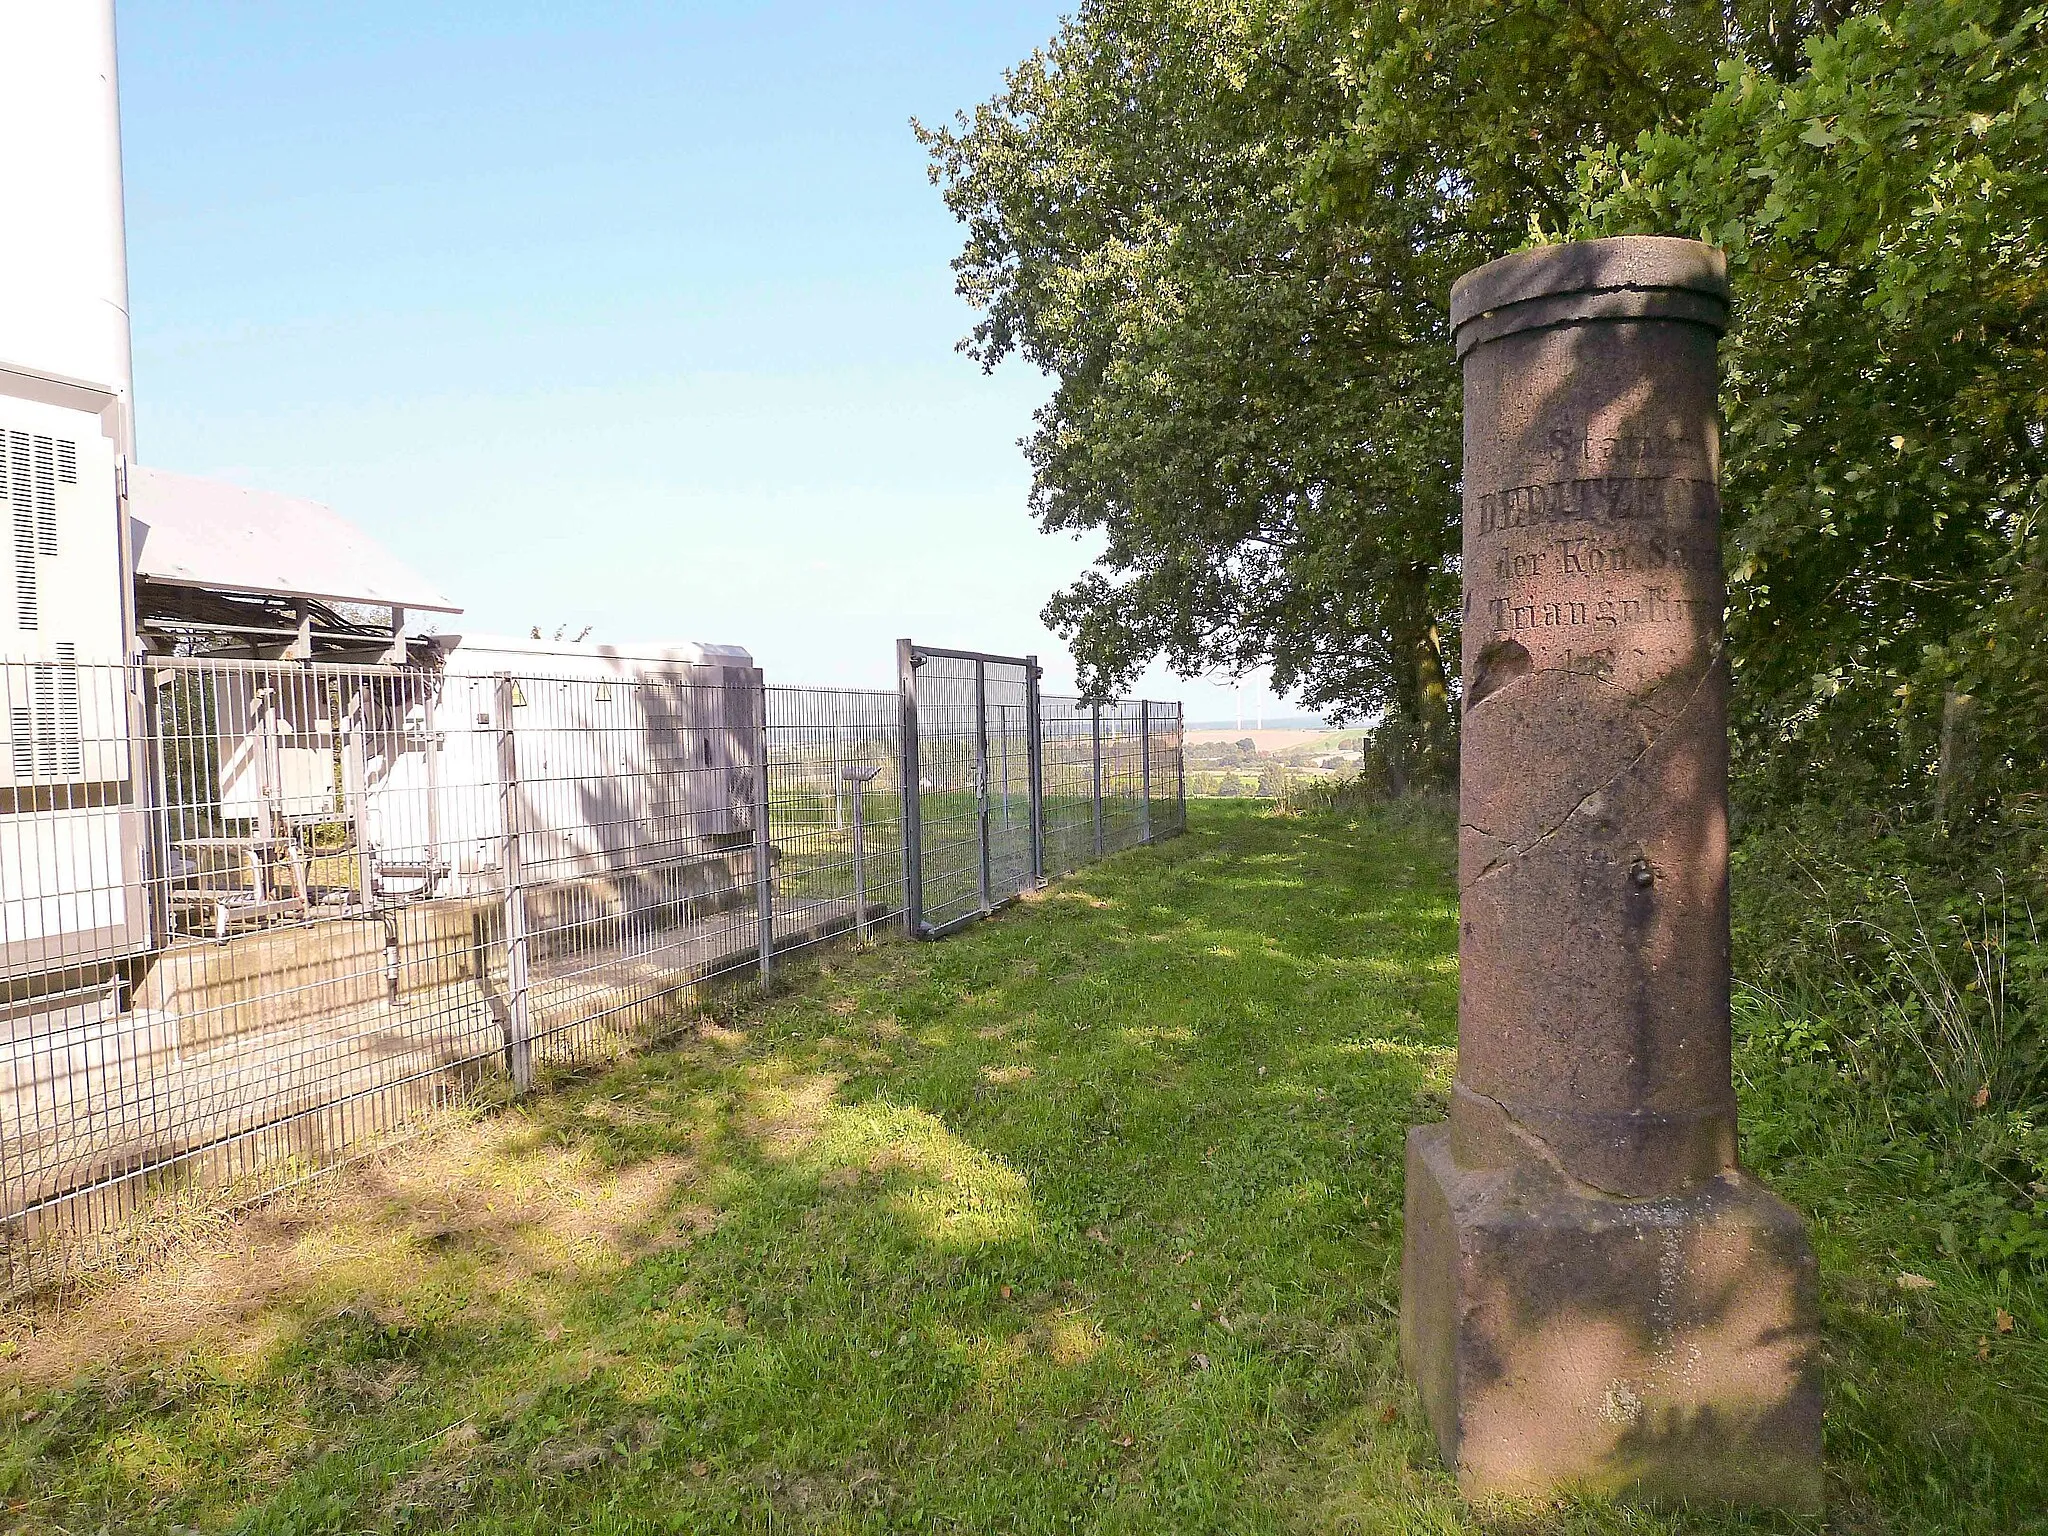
(1004,786)
(971,785)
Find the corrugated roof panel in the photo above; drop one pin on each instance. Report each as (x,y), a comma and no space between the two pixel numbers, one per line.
(205,533)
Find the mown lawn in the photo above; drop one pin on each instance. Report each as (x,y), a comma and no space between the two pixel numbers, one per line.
(1087,1219)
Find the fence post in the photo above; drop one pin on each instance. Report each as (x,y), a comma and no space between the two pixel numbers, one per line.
(981,775)
(1095,729)
(432,774)
(860,864)
(764,849)
(1145,773)
(913,800)
(1034,770)
(1180,763)
(858,780)
(151,776)
(357,768)
(518,1015)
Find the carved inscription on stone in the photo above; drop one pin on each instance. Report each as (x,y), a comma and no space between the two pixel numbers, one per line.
(1655,605)
(1608,499)
(1658,452)
(1656,551)
(1631,545)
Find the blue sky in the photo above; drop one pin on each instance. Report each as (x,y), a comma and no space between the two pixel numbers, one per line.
(636,316)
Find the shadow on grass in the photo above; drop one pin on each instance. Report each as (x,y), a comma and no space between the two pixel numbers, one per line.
(1085,1219)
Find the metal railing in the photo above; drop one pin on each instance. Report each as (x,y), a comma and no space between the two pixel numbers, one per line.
(257,916)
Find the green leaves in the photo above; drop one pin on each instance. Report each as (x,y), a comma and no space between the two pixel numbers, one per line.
(1229,234)
(1885,213)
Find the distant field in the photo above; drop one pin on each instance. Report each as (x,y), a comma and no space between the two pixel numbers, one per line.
(1263,741)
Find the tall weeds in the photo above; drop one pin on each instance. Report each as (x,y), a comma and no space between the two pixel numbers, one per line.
(1946,988)
(1870,1011)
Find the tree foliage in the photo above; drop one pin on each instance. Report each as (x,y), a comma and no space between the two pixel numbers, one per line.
(1228,231)
(1885,212)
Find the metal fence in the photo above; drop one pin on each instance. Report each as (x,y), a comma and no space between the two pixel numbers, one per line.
(1114,777)
(256,916)
(1012,785)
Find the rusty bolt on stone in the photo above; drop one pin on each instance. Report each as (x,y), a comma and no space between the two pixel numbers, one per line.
(1595,1295)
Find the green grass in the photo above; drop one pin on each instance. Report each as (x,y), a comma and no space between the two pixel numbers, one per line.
(1087,1219)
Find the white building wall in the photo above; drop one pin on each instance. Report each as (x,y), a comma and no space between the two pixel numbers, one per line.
(71,828)
(70,825)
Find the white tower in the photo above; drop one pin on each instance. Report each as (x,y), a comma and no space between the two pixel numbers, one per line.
(66,409)
(64,266)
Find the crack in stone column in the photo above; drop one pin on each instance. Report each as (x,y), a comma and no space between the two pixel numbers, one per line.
(1516,684)
(1666,726)
(1536,1143)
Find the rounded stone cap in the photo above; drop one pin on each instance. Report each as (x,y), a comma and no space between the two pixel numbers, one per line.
(1628,277)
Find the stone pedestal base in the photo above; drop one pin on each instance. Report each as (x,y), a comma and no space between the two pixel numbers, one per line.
(1563,1339)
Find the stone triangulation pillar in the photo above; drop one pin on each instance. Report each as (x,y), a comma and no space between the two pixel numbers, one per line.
(1594,1294)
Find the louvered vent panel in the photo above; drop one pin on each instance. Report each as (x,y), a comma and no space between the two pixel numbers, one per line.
(43,695)
(21,727)
(46,495)
(68,727)
(21,501)
(31,468)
